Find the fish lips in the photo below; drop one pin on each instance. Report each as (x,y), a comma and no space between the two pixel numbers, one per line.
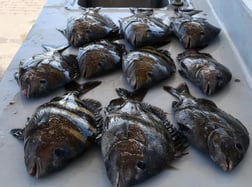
(34,167)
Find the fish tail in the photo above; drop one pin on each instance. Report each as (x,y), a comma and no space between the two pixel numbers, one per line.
(63,32)
(185,12)
(17,133)
(53,48)
(82,88)
(136,95)
(181,90)
(146,11)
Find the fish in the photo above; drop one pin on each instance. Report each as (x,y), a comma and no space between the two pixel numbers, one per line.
(203,71)
(142,29)
(146,66)
(43,73)
(176,3)
(89,27)
(99,58)
(210,129)
(193,32)
(59,131)
(138,141)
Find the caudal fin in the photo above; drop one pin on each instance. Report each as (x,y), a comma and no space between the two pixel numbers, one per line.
(82,88)
(181,90)
(136,95)
(17,133)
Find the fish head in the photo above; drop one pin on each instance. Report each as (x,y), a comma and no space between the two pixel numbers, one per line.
(131,161)
(213,79)
(138,34)
(33,83)
(191,35)
(41,159)
(226,150)
(50,148)
(125,169)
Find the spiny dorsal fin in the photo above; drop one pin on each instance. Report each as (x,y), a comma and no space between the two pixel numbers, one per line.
(180,142)
(95,107)
(155,110)
(92,105)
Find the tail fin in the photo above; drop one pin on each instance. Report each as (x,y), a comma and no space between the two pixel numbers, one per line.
(146,11)
(181,90)
(136,95)
(82,88)
(53,48)
(185,12)
(17,133)
(63,32)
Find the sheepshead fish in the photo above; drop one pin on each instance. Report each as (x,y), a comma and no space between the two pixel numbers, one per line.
(146,66)
(193,32)
(43,73)
(143,29)
(203,71)
(99,58)
(224,138)
(138,141)
(60,131)
(89,27)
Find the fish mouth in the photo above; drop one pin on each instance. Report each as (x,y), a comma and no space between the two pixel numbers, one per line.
(26,92)
(119,182)
(188,43)
(228,166)
(35,169)
(207,89)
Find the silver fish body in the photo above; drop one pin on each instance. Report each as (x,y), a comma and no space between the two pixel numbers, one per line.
(193,32)
(43,73)
(223,137)
(144,67)
(58,132)
(138,141)
(142,29)
(89,27)
(99,58)
(203,71)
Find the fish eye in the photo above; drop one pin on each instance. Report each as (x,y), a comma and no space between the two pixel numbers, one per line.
(100,64)
(88,31)
(183,65)
(150,74)
(59,152)
(239,147)
(43,81)
(27,80)
(141,165)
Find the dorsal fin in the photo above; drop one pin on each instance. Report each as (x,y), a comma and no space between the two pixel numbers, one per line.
(95,107)
(179,141)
